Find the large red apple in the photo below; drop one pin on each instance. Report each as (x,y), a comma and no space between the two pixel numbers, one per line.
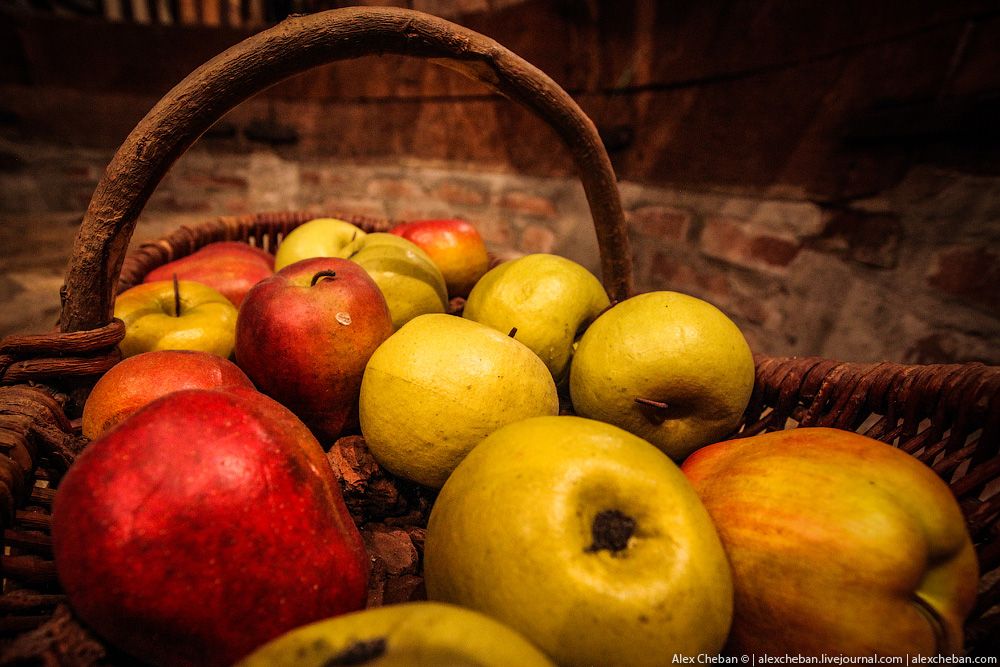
(305,334)
(204,525)
(230,267)
(141,379)
(839,545)
(454,246)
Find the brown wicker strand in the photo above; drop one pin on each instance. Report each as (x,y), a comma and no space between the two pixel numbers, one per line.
(42,357)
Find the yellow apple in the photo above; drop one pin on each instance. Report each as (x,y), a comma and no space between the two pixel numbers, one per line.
(320,237)
(549,300)
(435,388)
(416,634)
(584,538)
(176,315)
(668,367)
(409,280)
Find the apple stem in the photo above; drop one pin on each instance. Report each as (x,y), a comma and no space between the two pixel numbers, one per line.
(937,623)
(660,405)
(512,331)
(322,274)
(177,297)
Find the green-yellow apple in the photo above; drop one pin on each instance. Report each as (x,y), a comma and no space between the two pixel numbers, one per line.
(584,538)
(138,380)
(441,384)
(415,634)
(202,526)
(176,315)
(409,280)
(455,246)
(668,367)
(549,300)
(305,334)
(229,267)
(839,544)
(320,237)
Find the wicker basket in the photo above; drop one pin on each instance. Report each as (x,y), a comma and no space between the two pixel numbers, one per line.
(946,415)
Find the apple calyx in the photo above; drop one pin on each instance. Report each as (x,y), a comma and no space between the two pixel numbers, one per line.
(611,530)
(177,297)
(321,275)
(359,653)
(938,626)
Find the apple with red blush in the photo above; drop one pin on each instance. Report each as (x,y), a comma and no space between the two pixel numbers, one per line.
(204,525)
(229,267)
(455,246)
(304,335)
(839,545)
(139,380)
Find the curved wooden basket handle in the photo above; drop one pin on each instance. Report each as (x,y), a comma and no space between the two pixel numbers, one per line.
(289,48)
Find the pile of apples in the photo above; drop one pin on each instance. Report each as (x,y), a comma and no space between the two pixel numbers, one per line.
(204,525)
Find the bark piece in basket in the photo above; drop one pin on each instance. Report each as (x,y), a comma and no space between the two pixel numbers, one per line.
(392,514)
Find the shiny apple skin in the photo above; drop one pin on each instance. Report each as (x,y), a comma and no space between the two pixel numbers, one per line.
(204,525)
(839,544)
(139,380)
(455,246)
(230,267)
(307,345)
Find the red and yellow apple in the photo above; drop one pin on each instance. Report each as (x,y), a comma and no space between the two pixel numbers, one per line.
(141,379)
(839,545)
(204,525)
(455,246)
(229,267)
(176,315)
(305,334)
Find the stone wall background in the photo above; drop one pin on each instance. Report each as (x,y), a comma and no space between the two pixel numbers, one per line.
(829,177)
(797,278)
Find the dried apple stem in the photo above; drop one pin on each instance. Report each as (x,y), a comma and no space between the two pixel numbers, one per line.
(512,332)
(660,405)
(177,297)
(321,275)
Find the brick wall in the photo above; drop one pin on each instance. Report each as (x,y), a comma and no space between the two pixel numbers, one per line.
(907,275)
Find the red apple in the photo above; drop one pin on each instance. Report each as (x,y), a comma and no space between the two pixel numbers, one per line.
(230,267)
(455,247)
(305,334)
(839,545)
(139,380)
(204,525)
